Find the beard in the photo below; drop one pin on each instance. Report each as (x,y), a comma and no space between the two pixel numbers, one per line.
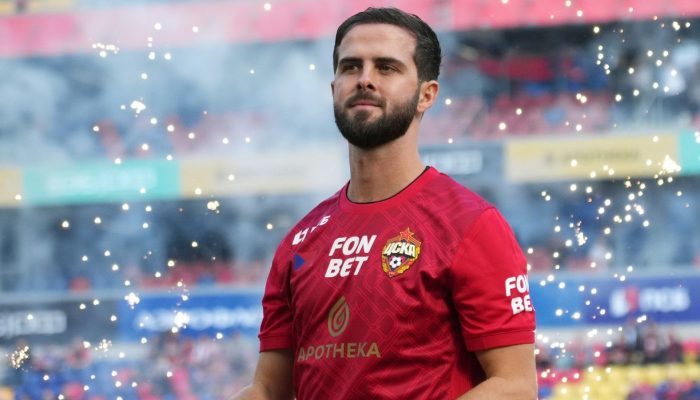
(365,134)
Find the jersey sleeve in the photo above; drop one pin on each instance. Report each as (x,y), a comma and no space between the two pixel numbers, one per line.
(489,286)
(276,328)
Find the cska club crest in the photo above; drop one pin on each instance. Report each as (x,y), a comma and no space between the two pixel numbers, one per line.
(400,253)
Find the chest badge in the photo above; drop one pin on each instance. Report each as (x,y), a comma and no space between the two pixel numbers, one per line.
(399,253)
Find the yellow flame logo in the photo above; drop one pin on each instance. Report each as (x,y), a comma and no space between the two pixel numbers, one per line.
(338,317)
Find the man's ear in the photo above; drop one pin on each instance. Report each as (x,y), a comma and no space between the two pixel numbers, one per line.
(428,95)
(332,87)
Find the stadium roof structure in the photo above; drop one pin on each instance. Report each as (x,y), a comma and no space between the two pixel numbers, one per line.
(81,30)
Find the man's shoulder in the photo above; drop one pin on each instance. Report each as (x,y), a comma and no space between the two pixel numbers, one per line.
(445,191)
(451,207)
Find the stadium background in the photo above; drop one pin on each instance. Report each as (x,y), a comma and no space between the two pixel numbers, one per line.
(153,153)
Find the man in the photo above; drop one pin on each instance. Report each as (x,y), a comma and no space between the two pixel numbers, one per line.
(404,284)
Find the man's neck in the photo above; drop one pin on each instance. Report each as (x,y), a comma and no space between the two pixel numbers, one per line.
(381,173)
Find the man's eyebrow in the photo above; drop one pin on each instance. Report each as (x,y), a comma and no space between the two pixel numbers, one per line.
(376,60)
(350,60)
(389,60)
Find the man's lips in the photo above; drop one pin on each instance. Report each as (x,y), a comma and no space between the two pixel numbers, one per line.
(364,103)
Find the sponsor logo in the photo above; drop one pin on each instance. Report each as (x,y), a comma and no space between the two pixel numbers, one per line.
(520,286)
(633,300)
(338,319)
(400,253)
(354,252)
(339,350)
(38,322)
(198,319)
(298,261)
(301,235)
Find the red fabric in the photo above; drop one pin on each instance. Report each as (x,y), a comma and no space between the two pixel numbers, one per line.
(359,331)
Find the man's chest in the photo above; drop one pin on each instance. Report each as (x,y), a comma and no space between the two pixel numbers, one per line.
(372,269)
(365,253)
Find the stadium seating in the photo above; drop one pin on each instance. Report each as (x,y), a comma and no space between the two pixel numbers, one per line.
(617,382)
(508,94)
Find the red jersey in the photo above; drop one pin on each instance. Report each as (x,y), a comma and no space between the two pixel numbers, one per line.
(390,299)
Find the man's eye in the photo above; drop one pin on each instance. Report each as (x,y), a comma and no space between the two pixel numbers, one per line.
(349,67)
(386,68)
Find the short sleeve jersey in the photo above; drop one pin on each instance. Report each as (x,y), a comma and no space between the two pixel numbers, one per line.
(390,299)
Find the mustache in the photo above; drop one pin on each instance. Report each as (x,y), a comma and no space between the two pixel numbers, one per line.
(364,96)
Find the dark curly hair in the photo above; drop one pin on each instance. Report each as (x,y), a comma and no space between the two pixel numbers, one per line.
(427,54)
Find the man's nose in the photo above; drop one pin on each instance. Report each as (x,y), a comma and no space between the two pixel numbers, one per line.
(365,80)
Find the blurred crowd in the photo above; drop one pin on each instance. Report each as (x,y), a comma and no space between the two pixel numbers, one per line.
(626,77)
(497,84)
(616,226)
(55,249)
(644,361)
(634,344)
(176,367)
(502,85)
(168,367)
(667,391)
(63,249)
